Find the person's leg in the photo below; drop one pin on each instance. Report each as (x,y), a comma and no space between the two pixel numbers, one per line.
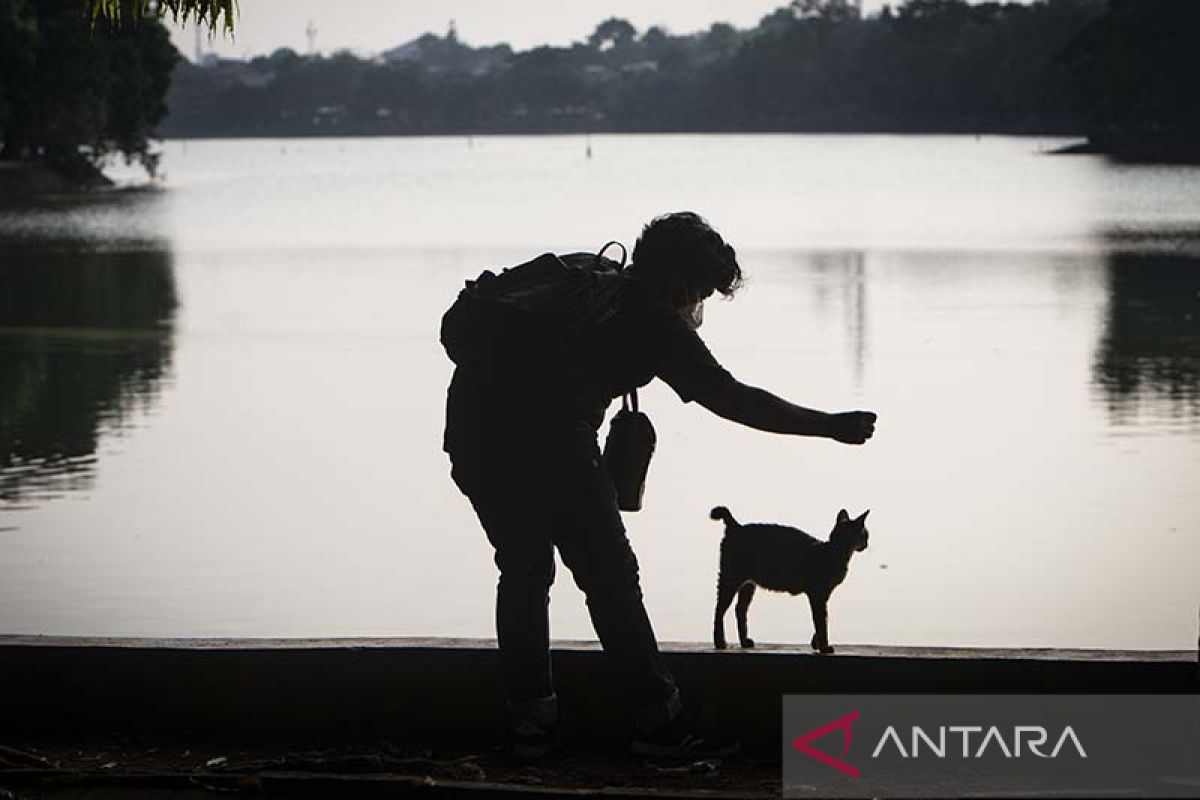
(591,539)
(519,531)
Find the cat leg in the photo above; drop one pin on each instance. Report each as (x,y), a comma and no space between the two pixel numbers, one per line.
(726,590)
(744,596)
(820,615)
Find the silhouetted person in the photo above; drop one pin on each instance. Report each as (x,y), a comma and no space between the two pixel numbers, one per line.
(524,450)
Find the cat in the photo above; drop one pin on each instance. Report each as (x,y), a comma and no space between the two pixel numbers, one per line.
(783,559)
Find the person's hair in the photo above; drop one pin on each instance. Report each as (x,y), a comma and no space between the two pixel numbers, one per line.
(683,246)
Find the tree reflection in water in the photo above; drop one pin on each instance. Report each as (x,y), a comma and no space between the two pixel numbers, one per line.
(85,342)
(1149,353)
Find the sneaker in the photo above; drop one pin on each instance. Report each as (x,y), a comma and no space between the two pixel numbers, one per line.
(532,740)
(534,727)
(675,741)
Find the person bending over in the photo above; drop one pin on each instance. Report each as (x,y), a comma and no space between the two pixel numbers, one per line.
(523,448)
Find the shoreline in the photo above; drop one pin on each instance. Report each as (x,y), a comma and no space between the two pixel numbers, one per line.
(1166,151)
(20,180)
(201,135)
(1144,151)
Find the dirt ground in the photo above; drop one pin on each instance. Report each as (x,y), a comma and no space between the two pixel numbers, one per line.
(121,766)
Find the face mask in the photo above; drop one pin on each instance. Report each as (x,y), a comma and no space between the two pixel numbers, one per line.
(693,315)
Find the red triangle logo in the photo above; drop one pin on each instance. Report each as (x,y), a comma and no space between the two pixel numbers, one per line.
(842,723)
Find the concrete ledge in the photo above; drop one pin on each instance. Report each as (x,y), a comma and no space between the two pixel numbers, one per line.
(447,691)
(357,643)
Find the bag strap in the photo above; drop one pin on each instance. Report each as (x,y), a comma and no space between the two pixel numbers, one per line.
(624,252)
(629,402)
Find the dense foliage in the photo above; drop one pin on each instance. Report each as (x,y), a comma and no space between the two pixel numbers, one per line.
(73,90)
(812,65)
(1138,69)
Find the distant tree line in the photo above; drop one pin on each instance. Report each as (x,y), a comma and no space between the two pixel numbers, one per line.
(812,65)
(80,79)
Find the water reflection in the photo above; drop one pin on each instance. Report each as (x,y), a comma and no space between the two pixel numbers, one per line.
(1149,351)
(843,273)
(85,341)
(856,313)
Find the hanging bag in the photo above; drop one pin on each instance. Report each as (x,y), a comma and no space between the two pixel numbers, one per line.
(627,451)
(630,442)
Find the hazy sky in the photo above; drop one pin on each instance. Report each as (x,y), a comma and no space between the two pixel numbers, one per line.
(368,26)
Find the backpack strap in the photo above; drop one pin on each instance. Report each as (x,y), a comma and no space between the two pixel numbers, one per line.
(624,252)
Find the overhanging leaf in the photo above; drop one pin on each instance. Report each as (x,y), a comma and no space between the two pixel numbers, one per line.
(213,14)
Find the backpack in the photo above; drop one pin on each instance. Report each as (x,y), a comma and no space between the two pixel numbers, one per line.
(529,315)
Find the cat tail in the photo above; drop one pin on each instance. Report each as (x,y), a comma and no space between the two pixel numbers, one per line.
(722,513)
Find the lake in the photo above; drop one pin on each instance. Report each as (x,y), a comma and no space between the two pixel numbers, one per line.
(221,399)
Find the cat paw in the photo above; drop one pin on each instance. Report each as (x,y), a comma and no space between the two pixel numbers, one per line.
(824,649)
(720,645)
(747,644)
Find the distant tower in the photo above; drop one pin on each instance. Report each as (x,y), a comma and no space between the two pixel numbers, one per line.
(452,33)
(311,33)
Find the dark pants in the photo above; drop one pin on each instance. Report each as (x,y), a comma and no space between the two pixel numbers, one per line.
(530,499)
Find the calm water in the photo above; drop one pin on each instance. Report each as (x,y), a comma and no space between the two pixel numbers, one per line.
(220,403)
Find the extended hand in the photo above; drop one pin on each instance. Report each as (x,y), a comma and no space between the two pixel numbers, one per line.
(852,427)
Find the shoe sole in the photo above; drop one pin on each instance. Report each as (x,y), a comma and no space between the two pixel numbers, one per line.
(698,750)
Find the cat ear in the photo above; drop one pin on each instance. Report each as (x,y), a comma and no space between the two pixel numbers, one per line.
(843,516)
(863,518)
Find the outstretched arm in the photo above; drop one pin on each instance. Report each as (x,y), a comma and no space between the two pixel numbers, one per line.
(759,409)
